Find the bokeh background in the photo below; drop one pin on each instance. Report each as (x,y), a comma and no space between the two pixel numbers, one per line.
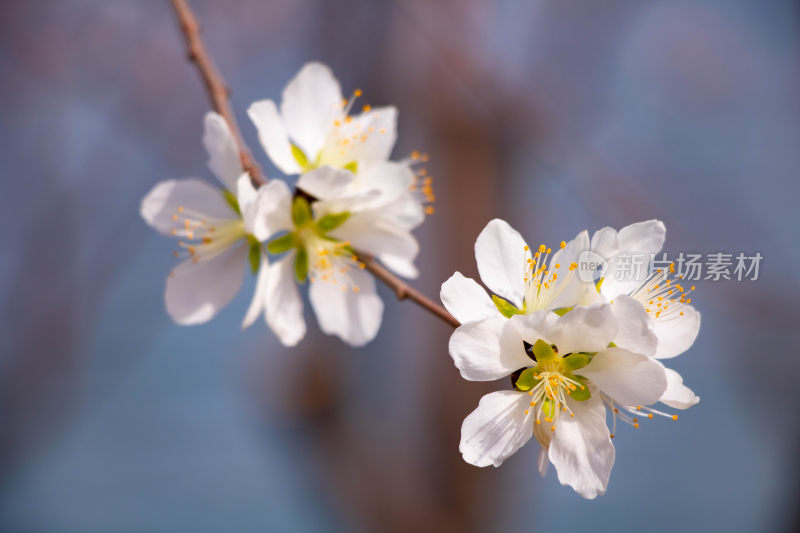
(555,115)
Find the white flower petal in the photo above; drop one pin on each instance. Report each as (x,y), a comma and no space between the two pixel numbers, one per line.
(496,429)
(645,237)
(543,461)
(628,254)
(405,212)
(581,449)
(349,204)
(354,317)
(366,139)
(284,306)
(676,333)
(273,136)
(629,378)
(642,237)
(466,300)
(378,144)
(163,201)
(400,265)
(391,179)
(534,326)
(369,232)
(571,289)
(196,292)
(604,242)
(635,326)
(273,212)
(677,395)
(245,192)
(584,329)
(488,350)
(259,296)
(223,154)
(311,102)
(500,254)
(326,183)
(624,275)
(544,435)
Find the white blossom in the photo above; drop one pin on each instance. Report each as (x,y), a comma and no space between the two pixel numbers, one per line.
(564,376)
(316,242)
(522,280)
(314,130)
(571,353)
(219,229)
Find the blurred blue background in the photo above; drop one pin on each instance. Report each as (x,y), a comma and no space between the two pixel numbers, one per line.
(556,116)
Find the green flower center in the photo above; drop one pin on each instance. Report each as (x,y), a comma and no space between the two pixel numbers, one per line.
(552,380)
(307,164)
(318,256)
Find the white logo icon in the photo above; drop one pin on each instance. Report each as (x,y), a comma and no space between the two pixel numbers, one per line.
(591,266)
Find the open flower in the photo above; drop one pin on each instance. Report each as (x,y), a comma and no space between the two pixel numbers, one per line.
(570,354)
(317,241)
(523,281)
(314,129)
(657,301)
(653,309)
(219,229)
(564,376)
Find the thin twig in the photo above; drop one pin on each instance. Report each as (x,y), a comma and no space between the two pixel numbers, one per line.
(218,92)
(405,292)
(217,89)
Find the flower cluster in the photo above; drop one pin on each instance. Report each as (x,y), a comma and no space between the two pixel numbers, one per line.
(575,348)
(350,198)
(572,349)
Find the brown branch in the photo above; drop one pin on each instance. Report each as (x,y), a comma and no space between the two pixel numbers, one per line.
(405,292)
(218,93)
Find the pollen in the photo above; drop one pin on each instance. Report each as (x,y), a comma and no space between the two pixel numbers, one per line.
(670,296)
